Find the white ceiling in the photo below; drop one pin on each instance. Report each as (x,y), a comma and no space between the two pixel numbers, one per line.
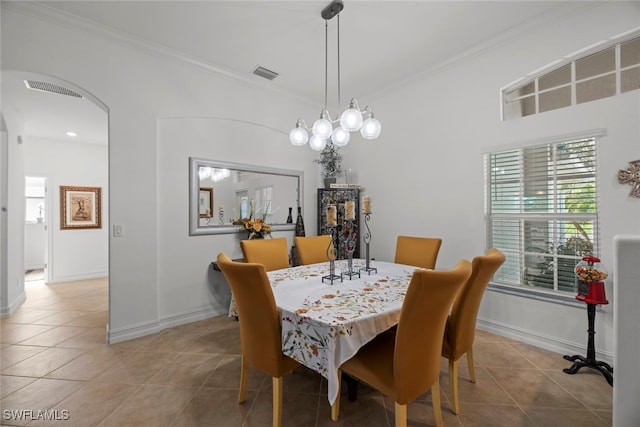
(382,44)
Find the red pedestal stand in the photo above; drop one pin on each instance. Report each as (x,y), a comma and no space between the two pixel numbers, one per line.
(592,293)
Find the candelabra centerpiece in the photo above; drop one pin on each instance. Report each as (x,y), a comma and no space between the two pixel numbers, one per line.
(332,252)
(366,211)
(350,242)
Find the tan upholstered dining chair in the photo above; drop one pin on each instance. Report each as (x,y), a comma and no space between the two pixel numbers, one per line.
(405,364)
(272,253)
(461,325)
(313,249)
(260,334)
(418,251)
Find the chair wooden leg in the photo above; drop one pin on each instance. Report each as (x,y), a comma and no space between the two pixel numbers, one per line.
(244,375)
(435,401)
(453,385)
(401,415)
(472,372)
(335,407)
(277,401)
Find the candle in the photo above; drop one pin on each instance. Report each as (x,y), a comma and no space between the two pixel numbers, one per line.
(331,215)
(366,205)
(350,209)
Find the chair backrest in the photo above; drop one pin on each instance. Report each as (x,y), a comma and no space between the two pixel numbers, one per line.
(313,249)
(272,253)
(461,325)
(418,251)
(260,333)
(418,345)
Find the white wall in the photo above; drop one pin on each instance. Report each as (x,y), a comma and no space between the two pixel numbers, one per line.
(190,286)
(425,172)
(12,286)
(75,254)
(626,376)
(4,291)
(141,87)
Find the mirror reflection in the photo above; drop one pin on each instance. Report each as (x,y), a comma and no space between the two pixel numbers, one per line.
(223,194)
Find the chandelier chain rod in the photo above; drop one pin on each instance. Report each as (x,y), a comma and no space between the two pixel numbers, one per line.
(326,60)
(339,101)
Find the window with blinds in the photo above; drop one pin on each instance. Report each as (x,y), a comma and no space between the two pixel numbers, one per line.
(542,212)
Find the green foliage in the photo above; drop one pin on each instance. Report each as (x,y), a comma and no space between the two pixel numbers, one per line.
(330,160)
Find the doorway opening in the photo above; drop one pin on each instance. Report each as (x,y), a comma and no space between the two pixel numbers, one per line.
(63,139)
(36,231)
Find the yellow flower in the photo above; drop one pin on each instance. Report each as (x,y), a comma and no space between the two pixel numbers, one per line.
(256,227)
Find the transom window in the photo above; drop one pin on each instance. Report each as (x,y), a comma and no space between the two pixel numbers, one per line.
(542,212)
(607,72)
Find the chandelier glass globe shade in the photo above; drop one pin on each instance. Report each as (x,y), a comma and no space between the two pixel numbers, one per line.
(340,137)
(298,136)
(371,128)
(351,120)
(322,128)
(317,144)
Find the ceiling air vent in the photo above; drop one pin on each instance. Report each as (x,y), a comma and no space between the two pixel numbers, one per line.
(263,72)
(50,87)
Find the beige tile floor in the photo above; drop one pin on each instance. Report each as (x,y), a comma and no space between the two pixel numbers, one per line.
(54,358)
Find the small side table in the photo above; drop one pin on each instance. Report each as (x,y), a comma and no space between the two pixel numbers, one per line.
(590,361)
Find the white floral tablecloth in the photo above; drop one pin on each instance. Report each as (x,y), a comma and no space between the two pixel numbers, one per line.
(324,325)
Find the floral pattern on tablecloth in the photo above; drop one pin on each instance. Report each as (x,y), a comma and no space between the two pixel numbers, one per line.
(326,327)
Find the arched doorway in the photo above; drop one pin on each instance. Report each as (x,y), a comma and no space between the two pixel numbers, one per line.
(58,131)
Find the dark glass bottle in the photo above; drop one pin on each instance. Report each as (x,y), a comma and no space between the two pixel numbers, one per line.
(290,218)
(300,223)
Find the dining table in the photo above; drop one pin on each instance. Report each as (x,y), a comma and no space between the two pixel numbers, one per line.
(325,323)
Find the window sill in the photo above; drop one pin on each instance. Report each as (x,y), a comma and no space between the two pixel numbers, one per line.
(567,300)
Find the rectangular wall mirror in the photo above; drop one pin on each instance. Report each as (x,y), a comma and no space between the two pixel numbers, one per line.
(221,194)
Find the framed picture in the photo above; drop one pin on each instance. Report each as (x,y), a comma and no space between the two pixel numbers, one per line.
(80,207)
(206,202)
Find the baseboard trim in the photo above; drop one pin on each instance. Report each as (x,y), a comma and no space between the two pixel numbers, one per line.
(536,339)
(188,317)
(143,329)
(131,332)
(77,277)
(7,311)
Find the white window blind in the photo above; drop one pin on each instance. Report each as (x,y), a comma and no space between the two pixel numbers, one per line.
(542,212)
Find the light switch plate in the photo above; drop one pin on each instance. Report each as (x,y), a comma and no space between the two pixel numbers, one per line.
(118,230)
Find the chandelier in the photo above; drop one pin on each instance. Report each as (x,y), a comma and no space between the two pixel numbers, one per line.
(213,174)
(351,120)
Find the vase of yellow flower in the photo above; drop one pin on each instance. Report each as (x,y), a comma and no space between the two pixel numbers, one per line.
(258,227)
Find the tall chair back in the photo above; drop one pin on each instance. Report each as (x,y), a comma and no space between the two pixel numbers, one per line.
(421,327)
(418,251)
(313,249)
(260,333)
(272,253)
(461,324)
(406,363)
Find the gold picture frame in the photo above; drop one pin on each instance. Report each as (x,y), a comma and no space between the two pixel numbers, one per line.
(80,207)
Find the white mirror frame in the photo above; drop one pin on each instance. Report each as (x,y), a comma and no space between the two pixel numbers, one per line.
(195,229)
